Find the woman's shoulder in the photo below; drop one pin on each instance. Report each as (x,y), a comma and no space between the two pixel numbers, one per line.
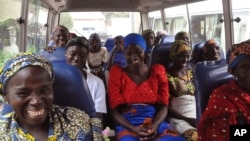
(103,49)
(158,68)
(93,77)
(71,113)
(116,68)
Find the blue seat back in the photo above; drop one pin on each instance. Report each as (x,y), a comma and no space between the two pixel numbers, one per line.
(58,55)
(208,75)
(197,53)
(160,55)
(70,89)
(167,39)
(109,44)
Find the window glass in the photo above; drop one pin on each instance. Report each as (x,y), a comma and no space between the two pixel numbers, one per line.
(241,16)
(36,30)
(106,24)
(155,20)
(9,28)
(207,23)
(176,19)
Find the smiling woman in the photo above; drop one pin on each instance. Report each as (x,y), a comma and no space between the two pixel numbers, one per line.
(27,81)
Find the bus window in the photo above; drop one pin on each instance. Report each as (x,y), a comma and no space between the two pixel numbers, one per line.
(205,23)
(155,21)
(9,28)
(108,24)
(241,16)
(176,19)
(36,30)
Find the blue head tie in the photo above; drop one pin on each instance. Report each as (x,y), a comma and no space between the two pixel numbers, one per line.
(135,39)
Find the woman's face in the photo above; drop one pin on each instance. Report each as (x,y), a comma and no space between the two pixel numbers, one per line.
(185,37)
(95,44)
(182,59)
(150,39)
(242,74)
(77,56)
(213,52)
(30,93)
(134,54)
(61,38)
(119,42)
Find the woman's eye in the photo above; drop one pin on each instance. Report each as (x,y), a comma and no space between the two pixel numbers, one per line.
(22,94)
(46,90)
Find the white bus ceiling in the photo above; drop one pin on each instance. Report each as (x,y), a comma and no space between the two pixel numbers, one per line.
(112,5)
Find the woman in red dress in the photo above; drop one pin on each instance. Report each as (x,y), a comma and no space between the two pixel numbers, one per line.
(138,96)
(230,103)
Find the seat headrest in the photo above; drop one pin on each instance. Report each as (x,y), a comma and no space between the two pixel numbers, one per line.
(167,39)
(71,89)
(197,52)
(58,55)
(208,75)
(109,44)
(160,55)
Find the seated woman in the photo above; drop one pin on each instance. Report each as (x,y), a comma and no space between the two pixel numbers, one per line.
(229,104)
(182,108)
(211,50)
(59,38)
(98,55)
(138,96)
(76,55)
(117,55)
(27,85)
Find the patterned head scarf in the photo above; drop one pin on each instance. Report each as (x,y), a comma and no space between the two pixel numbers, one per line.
(180,35)
(237,53)
(178,47)
(20,61)
(134,38)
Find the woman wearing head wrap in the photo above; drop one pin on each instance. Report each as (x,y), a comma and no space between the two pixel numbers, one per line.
(27,85)
(182,109)
(183,35)
(76,55)
(138,96)
(229,104)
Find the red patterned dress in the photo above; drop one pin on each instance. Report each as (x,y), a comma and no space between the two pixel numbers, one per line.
(228,105)
(140,100)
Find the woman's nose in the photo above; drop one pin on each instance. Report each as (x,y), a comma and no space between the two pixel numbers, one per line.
(35,99)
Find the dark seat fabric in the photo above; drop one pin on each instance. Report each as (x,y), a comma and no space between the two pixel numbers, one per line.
(160,55)
(208,75)
(70,89)
(58,55)
(197,53)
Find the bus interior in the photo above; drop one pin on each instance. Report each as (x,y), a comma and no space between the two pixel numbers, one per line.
(26,26)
